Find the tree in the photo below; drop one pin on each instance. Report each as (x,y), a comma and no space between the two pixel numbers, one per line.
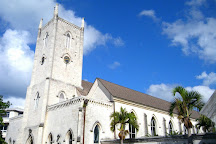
(122,118)
(184,105)
(206,124)
(3,106)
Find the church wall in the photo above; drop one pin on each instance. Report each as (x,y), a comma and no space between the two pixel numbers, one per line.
(61,119)
(14,128)
(34,112)
(41,72)
(71,72)
(150,112)
(98,113)
(56,87)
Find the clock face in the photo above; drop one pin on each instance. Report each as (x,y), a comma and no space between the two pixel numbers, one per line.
(66,59)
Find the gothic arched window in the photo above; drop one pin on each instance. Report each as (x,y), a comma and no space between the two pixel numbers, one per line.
(153,127)
(37,99)
(61,97)
(96,134)
(170,127)
(132,130)
(50,139)
(68,40)
(30,140)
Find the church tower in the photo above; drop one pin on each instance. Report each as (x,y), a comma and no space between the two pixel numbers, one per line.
(56,74)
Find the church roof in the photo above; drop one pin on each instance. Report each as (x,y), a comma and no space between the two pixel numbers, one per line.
(133,96)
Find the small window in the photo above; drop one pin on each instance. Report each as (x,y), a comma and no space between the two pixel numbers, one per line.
(66,59)
(170,128)
(42,60)
(37,100)
(50,138)
(96,134)
(153,127)
(61,97)
(45,39)
(68,40)
(132,131)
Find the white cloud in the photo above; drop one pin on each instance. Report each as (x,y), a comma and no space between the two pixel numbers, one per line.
(205,91)
(25,15)
(16,102)
(164,91)
(149,13)
(195,2)
(208,79)
(16,60)
(196,35)
(114,65)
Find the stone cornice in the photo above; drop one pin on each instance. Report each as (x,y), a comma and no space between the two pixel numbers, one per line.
(76,100)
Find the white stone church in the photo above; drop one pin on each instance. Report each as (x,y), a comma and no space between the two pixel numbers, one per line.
(61,108)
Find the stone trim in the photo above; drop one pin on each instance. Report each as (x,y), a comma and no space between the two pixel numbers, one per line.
(73,25)
(75,101)
(46,25)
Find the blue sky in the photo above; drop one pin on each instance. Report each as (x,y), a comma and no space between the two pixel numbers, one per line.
(149,46)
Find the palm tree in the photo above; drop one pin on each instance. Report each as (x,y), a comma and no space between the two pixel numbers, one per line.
(184,104)
(123,118)
(206,124)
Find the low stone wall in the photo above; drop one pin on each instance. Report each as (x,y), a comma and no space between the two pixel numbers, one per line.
(209,138)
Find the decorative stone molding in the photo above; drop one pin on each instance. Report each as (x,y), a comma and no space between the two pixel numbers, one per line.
(75,101)
(60,19)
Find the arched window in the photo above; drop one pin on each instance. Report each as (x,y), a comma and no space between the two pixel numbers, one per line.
(170,128)
(153,127)
(96,134)
(69,137)
(132,130)
(37,99)
(68,40)
(50,139)
(9,141)
(61,97)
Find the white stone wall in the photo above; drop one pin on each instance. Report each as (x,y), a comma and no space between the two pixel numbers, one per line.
(62,119)
(14,128)
(150,112)
(98,113)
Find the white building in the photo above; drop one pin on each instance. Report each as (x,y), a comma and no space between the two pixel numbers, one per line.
(10,113)
(61,108)
(209,108)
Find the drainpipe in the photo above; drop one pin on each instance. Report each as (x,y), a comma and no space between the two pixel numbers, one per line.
(84,108)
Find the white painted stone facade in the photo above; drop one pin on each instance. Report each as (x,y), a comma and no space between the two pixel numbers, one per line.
(46,114)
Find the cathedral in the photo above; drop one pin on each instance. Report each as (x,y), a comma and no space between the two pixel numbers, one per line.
(61,108)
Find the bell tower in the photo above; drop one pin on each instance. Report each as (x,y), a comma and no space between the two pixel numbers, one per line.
(59,52)
(56,74)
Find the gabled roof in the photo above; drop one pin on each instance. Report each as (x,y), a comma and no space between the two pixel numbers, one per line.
(133,96)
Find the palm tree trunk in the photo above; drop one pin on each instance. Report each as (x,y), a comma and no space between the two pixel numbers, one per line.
(121,141)
(189,131)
